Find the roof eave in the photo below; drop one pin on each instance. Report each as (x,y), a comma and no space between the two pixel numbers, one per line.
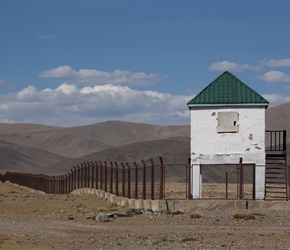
(228,105)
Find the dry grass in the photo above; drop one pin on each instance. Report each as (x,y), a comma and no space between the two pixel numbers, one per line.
(195,215)
(102,209)
(243,215)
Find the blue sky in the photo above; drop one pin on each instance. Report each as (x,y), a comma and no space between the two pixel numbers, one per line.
(68,63)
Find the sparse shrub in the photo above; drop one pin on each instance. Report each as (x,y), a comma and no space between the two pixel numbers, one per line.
(176,212)
(243,215)
(195,215)
(102,209)
(131,213)
(188,239)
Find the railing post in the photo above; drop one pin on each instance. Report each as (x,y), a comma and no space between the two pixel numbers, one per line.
(136,180)
(161,192)
(129,181)
(144,180)
(152,179)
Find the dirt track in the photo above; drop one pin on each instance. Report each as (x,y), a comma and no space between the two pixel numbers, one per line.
(41,221)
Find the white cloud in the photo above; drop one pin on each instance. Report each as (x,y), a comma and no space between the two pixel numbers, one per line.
(275,99)
(275,63)
(68,105)
(231,66)
(67,89)
(93,76)
(274,76)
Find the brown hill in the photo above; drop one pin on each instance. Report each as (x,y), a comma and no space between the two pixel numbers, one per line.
(61,148)
(46,149)
(83,140)
(16,158)
(172,150)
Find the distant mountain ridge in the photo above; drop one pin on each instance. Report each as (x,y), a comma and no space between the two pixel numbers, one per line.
(112,141)
(55,150)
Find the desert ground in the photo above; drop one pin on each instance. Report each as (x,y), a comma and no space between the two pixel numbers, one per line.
(34,220)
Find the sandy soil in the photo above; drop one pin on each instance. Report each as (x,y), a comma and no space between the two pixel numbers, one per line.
(31,220)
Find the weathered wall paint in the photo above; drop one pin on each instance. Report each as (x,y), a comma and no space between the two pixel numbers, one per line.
(210,147)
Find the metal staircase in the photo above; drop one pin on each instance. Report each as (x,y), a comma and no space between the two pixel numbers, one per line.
(276,176)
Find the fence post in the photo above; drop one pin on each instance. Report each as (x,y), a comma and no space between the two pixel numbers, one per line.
(48,179)
(84,175)
(117,179)
(123,179)
(161,181)
(74,179)
(111,178)
(288,180)
(241,179)
(144,180)
(227,180)
(152,179)
(188,183)
(79,177)
(93,175)
(59,184)
(66,181)
(97,174)
(129,181)
(106,176)
(101,175)
(136,180)
(54,184)
(43,183)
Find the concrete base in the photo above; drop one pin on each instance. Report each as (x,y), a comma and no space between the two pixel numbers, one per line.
(155,205)
(185,205)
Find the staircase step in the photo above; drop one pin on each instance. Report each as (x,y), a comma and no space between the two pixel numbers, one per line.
(276,198)
(276,192)
(275,189)
(278,187)
(274,171)
(269,179)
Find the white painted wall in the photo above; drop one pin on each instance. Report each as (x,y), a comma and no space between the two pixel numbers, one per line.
(210,147)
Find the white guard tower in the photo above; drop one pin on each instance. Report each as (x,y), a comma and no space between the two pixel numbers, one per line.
(228,123)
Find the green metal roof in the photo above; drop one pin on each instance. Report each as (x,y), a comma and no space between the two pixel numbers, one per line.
(227,89)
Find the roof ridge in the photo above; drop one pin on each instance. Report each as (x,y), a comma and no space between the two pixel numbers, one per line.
(228,89)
